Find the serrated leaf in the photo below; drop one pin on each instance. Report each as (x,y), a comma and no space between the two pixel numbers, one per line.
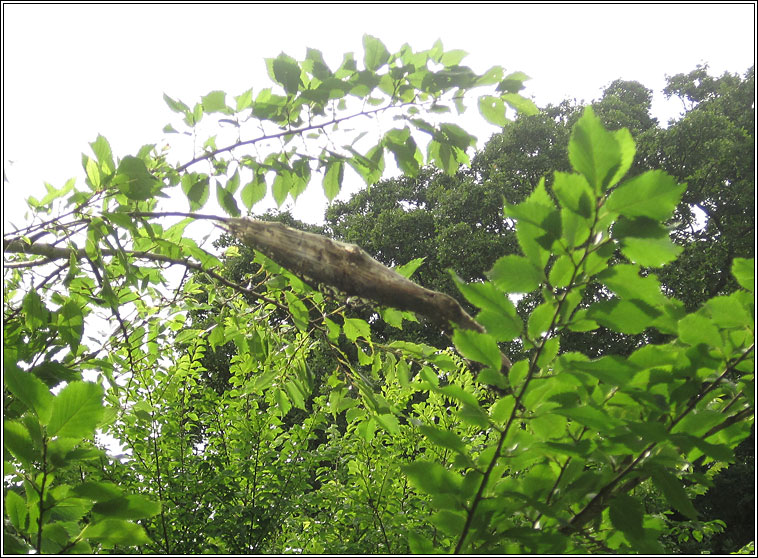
(650,252)
(375,53)
(70,323)
(134,180)
(333,176)
(355,328)
(36,314)
(197,189)
(574,193)
(502,409)
(77,411)
(298,310)
(696,328)
(672,489)
(18,441)
(625,280)
(521,104)
(226,201)
(132,506)
(176,106)
(253,192)
(540,319)
(743,270)
(624,316)
(626,514)
(30,390)
(286,72)
(215,101)
(110,532)
(516,274)
(479,347)
(432,478)
(102,150)
(593,151)
(409,268)
(15,507)
(281,187)
(653,194)
(493,110)
(245,100)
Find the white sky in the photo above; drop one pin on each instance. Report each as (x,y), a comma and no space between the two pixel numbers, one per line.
(71,72)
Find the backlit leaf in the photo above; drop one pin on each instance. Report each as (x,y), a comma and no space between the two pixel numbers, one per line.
(77,410)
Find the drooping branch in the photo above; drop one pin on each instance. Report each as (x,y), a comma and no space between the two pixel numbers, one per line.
(289,132)
(351,270)
(55,253)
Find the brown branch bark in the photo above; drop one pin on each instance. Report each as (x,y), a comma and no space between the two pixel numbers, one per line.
(351,270)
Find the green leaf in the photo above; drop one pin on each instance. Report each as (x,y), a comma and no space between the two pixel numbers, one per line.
(355,328)
(521,104)
(493,110)
(298,310)
(133,506)
(70,323)
(77,411)
(574,193)
(197,189)
(409,268)
(501,326)
(650,252)
(215,101)
(15,507)
(134,180)
(176,106)
(624,316)
(626,515)
(18,441)
(376,54)
(591,417)
(744,271)
(253,192)
(389,423)
(36,314)
(102,150)
(478,346)
(696,328)
(611,369)
(97,491)
(54,194)
(432,478)
(286,72)
(449,522)
(626,282)
(562,272)
(110,532)
(245,100)
(281,187)
(540,320)
(653,194)
(672,489)
(226,201)
(30,390)
(516,274)
(502,409)
(594,152)
(729,312)
(333,176)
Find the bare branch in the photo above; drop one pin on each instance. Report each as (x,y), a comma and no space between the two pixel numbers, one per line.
(351,270)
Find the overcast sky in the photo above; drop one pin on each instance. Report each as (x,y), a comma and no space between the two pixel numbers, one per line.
(72,72)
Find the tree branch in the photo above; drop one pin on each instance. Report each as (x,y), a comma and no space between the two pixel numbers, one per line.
(351,270)
(55,253)
(290,132)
